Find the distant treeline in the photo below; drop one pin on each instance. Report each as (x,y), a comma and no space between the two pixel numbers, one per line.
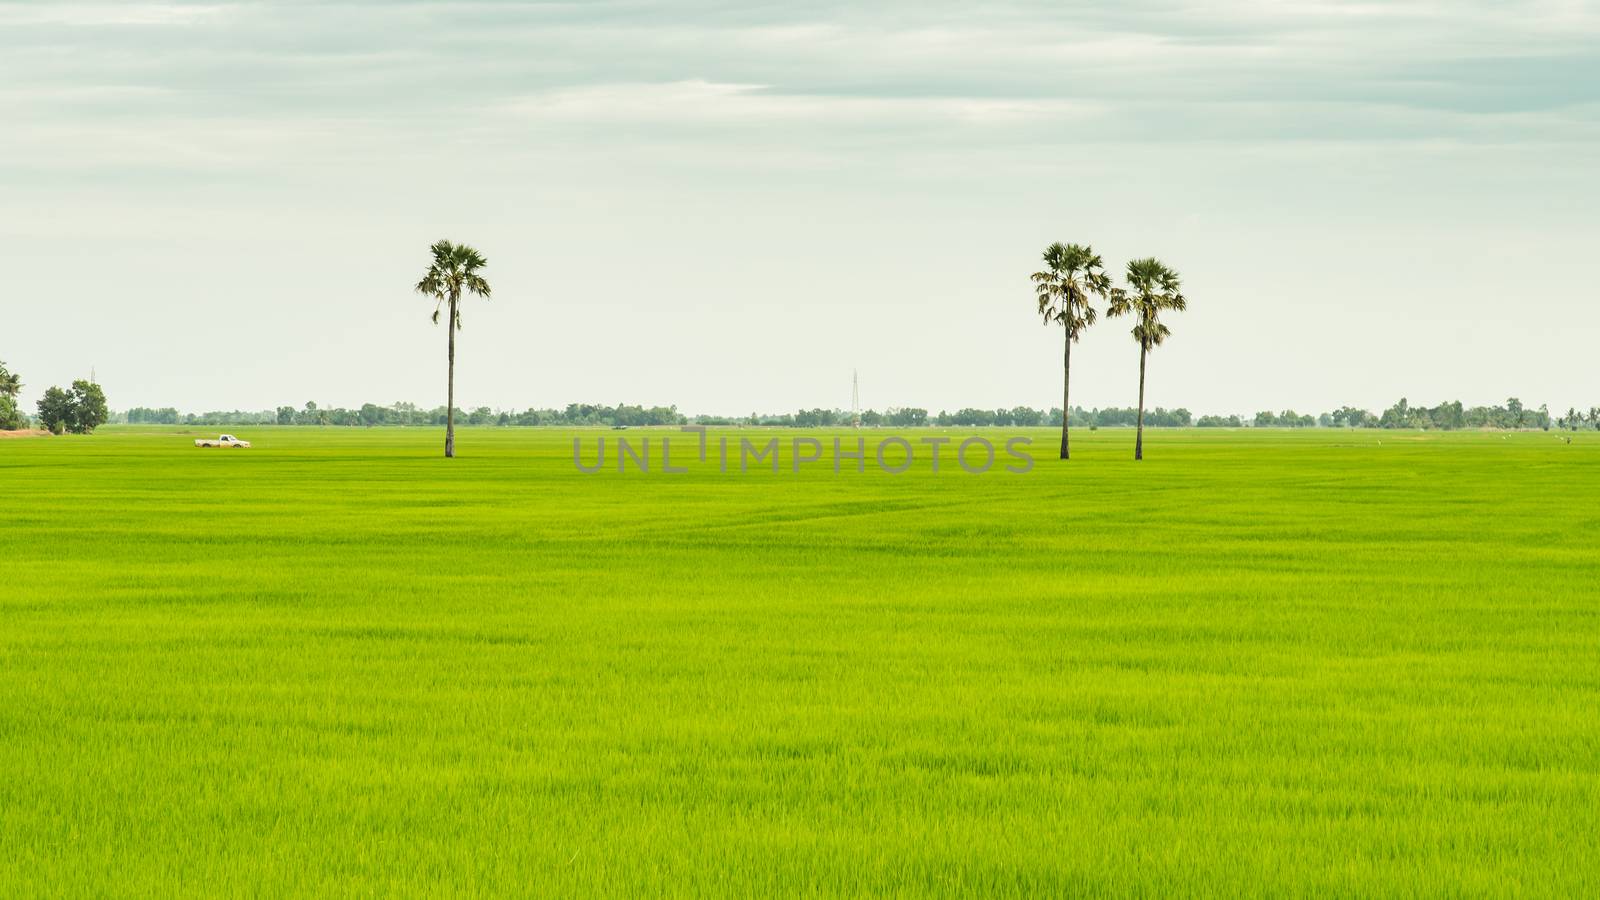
(1445,417)
(588,414)
(1401,415)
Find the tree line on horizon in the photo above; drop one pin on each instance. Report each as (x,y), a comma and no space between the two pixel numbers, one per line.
(1446,416)
(627,415)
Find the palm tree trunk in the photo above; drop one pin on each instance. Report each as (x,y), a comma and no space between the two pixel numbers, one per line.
(450,395)
(1138,441)
(1066,392)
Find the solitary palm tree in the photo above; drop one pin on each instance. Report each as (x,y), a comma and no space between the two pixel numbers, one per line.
(1152,287)
(455,269)
(1072,273)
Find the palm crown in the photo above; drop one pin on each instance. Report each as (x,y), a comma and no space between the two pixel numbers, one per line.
(455,269)
(1152,287)
(1072,273)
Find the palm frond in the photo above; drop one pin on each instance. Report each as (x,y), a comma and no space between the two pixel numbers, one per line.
(431,284)
(1119,303)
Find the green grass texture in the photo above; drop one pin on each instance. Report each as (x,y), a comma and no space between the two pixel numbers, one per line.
(1258,663)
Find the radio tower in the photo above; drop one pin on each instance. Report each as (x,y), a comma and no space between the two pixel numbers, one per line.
(855,399)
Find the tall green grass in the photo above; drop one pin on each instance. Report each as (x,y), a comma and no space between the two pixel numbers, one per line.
(1257,663)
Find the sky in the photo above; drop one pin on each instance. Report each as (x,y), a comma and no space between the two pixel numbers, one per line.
(731,206)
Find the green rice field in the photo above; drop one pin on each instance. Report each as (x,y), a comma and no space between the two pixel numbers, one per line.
(1258,663)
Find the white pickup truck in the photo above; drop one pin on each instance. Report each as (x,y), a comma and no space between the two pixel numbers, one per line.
(226,440)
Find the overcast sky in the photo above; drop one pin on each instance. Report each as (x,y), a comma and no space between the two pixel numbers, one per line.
(728,206)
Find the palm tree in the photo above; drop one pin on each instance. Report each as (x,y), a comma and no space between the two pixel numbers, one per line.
(10,387)
(10,382)
(1072,273)
(1152,287)
(455,269)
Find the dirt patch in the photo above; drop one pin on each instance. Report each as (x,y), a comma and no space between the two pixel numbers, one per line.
(26,432)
